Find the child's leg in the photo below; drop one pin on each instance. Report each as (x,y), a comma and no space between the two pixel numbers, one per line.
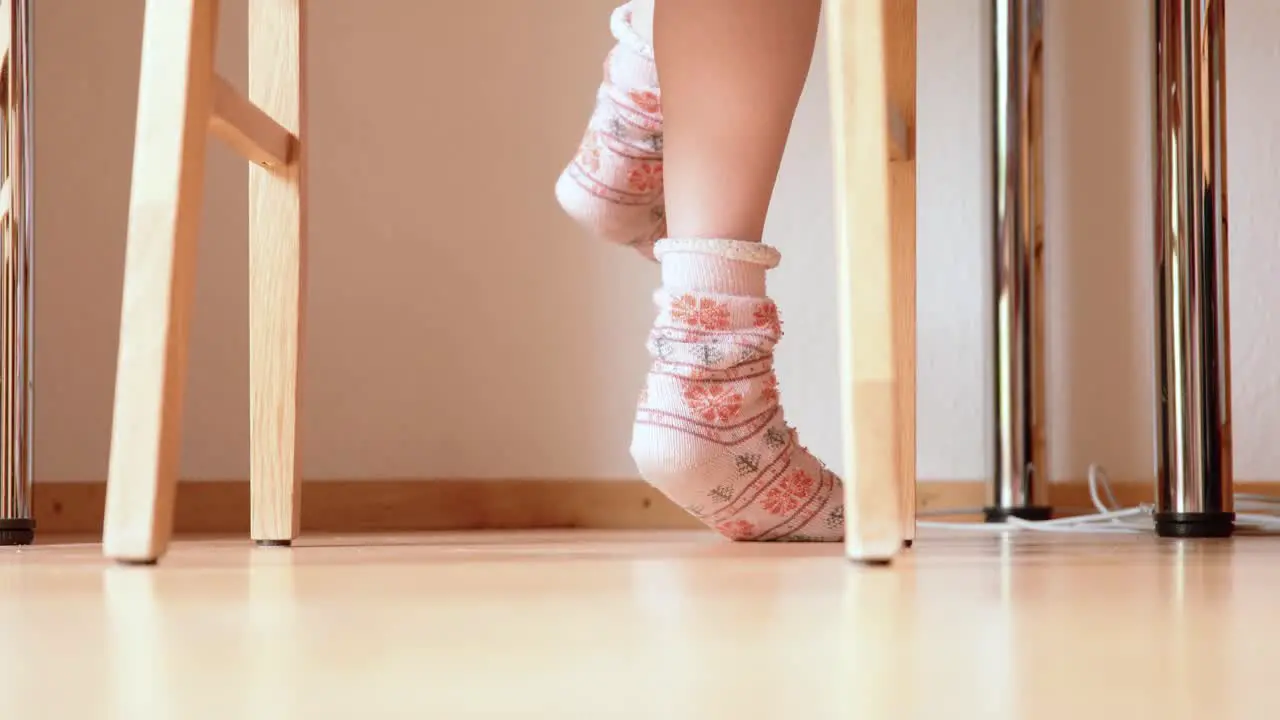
(732,72)
(613,185)
(709,430)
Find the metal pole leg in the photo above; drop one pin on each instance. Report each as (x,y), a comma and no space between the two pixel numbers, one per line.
(1193,368)
(17,521)
(1019,486)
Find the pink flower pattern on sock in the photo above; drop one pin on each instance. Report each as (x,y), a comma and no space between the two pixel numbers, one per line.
(713,403)
(704,312)
(785,495)
(645,177)
(766,317)
(736,529)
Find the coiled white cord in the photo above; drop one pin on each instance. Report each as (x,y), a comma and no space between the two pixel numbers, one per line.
(1110,517)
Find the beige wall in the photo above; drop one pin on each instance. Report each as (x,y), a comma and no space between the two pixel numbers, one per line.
(461,327)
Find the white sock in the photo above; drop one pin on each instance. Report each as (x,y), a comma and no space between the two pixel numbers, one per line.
(614,186)
(710,432)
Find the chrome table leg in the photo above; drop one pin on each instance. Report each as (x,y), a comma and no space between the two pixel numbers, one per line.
(1192,344)
(17,523)
(1020,482)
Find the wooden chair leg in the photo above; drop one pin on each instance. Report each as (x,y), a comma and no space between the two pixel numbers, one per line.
(174,100)
(277,272)
(900,53)
(867,285)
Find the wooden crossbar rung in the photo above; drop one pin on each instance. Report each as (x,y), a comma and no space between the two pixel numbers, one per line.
(248,130)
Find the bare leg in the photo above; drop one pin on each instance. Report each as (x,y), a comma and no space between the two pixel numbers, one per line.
(731,74)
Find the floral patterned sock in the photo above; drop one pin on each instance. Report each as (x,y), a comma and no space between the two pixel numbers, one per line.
(613,187)
(709,431)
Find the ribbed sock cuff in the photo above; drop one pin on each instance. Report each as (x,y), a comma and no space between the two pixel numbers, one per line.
(715,265)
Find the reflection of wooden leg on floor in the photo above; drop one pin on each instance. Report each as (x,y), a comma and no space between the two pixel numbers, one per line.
(876,268)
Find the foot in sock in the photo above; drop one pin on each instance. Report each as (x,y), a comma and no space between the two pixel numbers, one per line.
(613,187)
(709,431)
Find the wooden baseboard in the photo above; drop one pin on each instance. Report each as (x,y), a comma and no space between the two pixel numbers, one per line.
(358,506)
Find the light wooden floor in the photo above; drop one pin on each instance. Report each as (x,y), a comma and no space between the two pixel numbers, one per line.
(658,625)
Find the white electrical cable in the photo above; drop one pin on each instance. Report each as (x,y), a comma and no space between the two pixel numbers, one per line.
(1109,516)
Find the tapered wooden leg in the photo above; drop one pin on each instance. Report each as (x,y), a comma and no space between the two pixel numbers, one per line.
(277,272)
(900,49)
(866,284)
(159,276)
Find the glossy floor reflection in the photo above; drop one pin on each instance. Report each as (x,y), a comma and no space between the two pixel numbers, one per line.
(644,625)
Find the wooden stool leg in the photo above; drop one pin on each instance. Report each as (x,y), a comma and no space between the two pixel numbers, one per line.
(867,286)
(277,272)
(900,51)
(174,100)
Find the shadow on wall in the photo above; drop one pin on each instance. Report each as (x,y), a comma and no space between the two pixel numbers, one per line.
(1098,236)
